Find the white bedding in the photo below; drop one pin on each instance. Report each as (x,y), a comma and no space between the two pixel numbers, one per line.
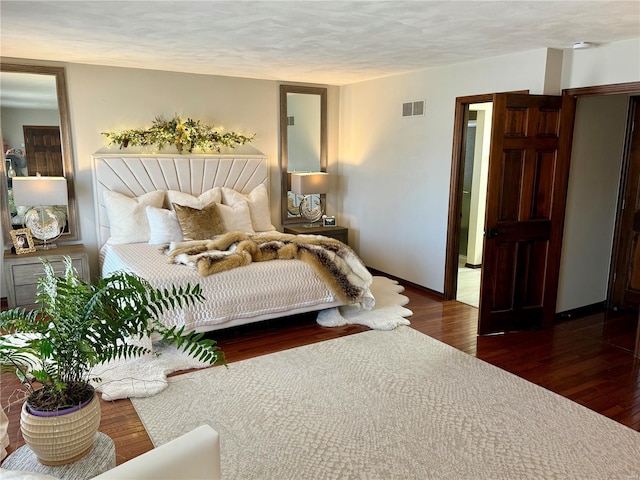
(247,294)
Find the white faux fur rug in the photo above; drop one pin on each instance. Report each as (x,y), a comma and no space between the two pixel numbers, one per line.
(387,314)
(146,376)
(388,405)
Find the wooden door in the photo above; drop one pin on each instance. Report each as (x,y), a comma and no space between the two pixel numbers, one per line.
(528,172)
(43,150)
(625,292)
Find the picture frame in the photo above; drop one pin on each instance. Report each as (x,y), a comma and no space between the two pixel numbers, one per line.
(328,221)
(22,241)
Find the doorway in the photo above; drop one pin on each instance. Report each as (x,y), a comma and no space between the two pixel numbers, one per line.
(43,150)
(474,189)
(452,279)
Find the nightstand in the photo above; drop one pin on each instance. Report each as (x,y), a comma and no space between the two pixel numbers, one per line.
(22,271)
(339,233)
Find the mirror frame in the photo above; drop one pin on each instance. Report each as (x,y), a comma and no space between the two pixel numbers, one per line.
(284,146)
(65,143)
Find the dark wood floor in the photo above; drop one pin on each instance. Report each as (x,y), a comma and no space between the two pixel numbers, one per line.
(587,360)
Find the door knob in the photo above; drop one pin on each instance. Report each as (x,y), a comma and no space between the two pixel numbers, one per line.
(491,233)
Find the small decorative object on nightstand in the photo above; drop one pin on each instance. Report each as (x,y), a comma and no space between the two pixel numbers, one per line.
(328,221)
(22,271)
(22,241)
(339,233)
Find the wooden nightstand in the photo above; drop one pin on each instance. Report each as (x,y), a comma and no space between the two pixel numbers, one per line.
(339,233)
(22,271)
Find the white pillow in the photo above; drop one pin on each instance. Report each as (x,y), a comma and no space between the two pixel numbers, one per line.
(187,200)
(127,217)
(236,218)
(258,200)
(163,226)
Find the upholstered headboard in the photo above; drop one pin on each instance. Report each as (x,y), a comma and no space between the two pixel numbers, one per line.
(135,175)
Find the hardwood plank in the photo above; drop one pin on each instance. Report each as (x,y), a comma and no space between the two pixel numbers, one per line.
(572,359)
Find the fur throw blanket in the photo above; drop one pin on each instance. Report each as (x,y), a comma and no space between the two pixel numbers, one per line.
(333,261)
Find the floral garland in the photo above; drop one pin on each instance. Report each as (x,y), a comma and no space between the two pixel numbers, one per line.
(185,135)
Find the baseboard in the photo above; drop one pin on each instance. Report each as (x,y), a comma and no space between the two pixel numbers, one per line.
(473,265)
(579,312)
(406,283)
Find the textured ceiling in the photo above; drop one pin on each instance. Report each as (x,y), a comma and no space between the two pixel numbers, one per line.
(329,42)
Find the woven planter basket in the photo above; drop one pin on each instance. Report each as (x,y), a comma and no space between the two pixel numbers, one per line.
(62,439)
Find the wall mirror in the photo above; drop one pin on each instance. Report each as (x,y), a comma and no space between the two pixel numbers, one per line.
(303,141)
(36,136)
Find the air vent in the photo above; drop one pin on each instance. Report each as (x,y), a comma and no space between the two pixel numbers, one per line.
(413,109)
(291,121)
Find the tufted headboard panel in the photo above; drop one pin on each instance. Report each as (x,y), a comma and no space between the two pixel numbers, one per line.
(134,175)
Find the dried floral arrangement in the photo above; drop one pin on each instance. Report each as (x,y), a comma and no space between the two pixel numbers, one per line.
(185,135)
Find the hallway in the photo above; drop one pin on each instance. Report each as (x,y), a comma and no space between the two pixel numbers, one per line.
(468,284)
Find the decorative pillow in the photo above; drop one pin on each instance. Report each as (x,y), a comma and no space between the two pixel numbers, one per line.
(181,198)
(127,217)
(258,200)
(163,226)
(236,218)
(199,224)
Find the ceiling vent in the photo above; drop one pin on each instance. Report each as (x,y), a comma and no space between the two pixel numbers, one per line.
(413,109)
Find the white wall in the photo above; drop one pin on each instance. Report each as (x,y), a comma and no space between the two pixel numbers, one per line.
(596,162)
(395,171)
(617,62)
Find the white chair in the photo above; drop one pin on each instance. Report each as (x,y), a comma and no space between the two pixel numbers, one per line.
(192,456)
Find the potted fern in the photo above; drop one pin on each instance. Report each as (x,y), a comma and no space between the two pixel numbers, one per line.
(79,325)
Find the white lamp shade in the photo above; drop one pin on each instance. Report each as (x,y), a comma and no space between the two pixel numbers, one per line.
(309,183)
(38,191)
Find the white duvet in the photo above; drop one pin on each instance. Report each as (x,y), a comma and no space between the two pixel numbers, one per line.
(250,293)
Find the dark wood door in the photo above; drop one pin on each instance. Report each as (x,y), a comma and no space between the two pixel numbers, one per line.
(526,194)
(626,262)
(43,150)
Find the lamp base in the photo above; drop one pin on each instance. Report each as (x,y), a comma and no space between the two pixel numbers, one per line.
(310,212)
(44,227)
(46,246)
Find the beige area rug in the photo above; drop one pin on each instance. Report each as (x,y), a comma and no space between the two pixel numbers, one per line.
(146,376)
(388,405)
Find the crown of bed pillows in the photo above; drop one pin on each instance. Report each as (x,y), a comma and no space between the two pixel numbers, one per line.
(161,216)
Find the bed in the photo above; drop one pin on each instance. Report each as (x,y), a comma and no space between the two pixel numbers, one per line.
(254,292)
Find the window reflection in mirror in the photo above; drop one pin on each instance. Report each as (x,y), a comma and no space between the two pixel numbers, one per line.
(35,135)
(303,113)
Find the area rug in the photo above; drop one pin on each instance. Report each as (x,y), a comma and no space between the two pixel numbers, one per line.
(388,405)
(147,375)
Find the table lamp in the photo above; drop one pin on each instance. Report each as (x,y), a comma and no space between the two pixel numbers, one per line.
(41,194)
(307,184)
